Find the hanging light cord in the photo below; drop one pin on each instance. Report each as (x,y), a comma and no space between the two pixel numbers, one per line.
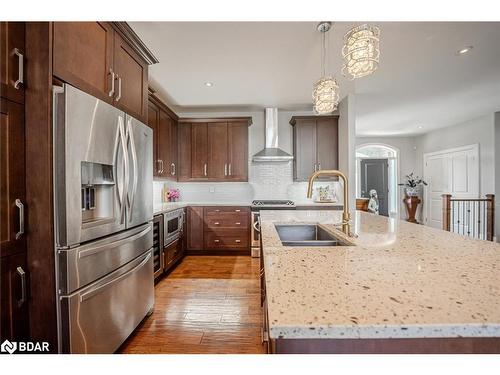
(323,54)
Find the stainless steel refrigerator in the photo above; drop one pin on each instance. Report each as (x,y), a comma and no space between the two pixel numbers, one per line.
(103,212)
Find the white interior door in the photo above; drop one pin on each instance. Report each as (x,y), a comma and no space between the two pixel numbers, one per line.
(455,172)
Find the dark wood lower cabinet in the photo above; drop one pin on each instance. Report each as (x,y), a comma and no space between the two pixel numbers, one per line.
(14,298)
(172,253)
(218,230)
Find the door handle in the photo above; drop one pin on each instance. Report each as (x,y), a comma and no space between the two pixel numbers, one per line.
(20,206)
(256,226)
(205,169)
(119,96)
(126,168)
(230,169)
(20,67)
(225,169)
(112,91)
(130,135)
(22,274)
(172,169)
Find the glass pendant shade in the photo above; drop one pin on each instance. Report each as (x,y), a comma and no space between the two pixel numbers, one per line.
(361,51)
(325,95)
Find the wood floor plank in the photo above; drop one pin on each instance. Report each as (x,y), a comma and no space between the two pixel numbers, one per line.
(208,304)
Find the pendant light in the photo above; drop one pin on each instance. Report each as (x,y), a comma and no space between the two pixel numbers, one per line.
(361,51)
(326,89)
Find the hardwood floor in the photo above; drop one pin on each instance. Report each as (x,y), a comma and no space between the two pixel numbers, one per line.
(208,304)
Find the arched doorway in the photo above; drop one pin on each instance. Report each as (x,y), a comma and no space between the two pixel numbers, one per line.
(377,167)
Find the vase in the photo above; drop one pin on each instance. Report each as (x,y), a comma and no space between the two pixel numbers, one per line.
(412,191)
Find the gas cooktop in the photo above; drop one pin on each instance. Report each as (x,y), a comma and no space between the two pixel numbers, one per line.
(272,204)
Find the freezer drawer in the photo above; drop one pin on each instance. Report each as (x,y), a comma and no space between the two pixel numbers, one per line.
(84,264)
(98,318)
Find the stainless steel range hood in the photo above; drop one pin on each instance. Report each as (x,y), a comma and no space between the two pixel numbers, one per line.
(271,153)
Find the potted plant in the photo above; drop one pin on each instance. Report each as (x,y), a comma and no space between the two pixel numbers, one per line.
(412,185)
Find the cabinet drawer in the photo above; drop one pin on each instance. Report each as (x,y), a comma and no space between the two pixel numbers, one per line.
(233,221)
(173,252)
(215,210)
(234,240)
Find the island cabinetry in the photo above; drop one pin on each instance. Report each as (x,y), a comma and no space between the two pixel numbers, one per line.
(315,143)
(213,149)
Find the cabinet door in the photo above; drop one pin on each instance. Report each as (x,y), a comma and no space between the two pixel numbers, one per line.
(12,178)
(12,60)
(184,162)
(217,151)
(153,123)
(305,149)
(238,151)
(174,140)
(199,150)
(131,81)
(83,56)
(164,140)
(327,143)
(14,323)
(195,228)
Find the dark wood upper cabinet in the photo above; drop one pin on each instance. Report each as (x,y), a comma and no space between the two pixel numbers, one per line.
(199,150)
(237,151)
(131,79)
(195,228)
(304,145)
(315,144)
(12,178)
(154,123)
(164,144)
(12,55)
(83,56)
(106,60)
(217,150)
(213,149)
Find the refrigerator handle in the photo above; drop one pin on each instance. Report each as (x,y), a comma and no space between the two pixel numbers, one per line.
(123,142)
(130,136)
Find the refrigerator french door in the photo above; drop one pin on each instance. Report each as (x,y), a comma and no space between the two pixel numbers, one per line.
(103,211)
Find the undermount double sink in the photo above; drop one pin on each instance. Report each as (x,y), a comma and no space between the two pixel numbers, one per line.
(305,235)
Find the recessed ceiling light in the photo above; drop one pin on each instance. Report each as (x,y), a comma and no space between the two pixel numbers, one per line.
(465,50)
(209,84)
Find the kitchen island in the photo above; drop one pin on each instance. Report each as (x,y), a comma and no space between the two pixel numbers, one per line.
(398,288)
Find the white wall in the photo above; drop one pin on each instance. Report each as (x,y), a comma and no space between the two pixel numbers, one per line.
(497,176)
(347,148)
(480,131)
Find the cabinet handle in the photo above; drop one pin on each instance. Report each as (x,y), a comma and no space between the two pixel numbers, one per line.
(20,66)
(216,241)
(112,91)
(119,96)
(319,166)
(238,223)
(172,169)
(22,274)
(216,223)
(237,241)
(315,167)
(225,169)
(217,210)
(230,169)
(237,210)
(20,206)
(161,166)
(205,169)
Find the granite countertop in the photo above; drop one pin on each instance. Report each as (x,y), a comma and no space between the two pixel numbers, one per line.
(399,280)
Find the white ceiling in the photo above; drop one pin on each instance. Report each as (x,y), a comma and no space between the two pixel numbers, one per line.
(421,79)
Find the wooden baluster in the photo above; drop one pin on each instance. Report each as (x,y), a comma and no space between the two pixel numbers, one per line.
(446,211)
(490,212)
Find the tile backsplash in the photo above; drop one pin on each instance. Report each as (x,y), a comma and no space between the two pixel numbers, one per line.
(265,181)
